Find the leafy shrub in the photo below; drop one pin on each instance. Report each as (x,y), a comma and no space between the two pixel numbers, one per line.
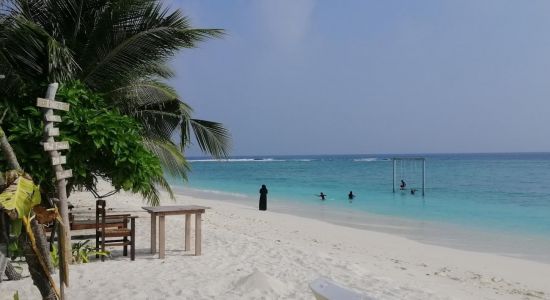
(104,144)
(82,252)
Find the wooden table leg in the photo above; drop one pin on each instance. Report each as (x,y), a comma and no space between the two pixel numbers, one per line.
(198,238)
(187,231)
(161,236)
(153,233)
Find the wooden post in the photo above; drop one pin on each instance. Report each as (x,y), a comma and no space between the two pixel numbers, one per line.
(187,231)
(198,234)
(153,232)
(133,236)
(162,236)
(51,146)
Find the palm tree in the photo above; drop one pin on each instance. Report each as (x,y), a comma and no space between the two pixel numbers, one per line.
(119,48)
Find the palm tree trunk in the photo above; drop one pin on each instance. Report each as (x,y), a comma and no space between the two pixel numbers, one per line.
(38,274)
(39,277)
(11,273)
(9,155)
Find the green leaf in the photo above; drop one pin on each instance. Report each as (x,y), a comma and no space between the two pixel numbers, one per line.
(15,228)
(22,195)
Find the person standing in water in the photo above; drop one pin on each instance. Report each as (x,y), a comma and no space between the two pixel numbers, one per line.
(322,196)
(351,195)
(263,198)
(403,184)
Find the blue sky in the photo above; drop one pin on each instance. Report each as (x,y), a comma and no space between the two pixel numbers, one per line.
(372,76)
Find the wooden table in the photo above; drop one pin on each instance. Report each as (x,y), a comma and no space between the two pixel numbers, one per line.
(162,212)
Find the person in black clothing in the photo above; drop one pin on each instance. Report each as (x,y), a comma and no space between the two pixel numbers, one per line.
(322,196)
(263,198)
(351,195)
(403,184)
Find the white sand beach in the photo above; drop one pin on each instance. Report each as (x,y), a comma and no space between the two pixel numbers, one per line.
(249,254)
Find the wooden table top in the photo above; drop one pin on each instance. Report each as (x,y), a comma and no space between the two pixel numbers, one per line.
(175,209)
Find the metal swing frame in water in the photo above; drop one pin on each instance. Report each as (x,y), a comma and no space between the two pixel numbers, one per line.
(404,160)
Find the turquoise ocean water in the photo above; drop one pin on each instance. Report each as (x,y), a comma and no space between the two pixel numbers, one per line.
(503,198)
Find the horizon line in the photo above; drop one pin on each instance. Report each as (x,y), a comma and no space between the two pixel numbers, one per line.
(379,154)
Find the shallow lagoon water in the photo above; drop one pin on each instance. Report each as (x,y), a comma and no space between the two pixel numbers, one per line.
(498,203)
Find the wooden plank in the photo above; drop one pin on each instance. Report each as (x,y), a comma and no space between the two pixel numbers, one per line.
(46,103)
(183,209)
(53,118)
(59,160)
(162,237)
(53,131)
(187,231)
(64,174)
(180,212)
(198,234)
(53,146)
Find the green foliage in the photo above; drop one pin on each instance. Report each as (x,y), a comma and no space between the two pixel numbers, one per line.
(104,144)
(82,252)
(14,246)
(54,256)
(15,249)
(21,196)
(118,51)
(16,295)
(15,227)
(107,142)
(25,133)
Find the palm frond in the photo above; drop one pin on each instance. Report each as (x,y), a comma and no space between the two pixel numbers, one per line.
(34,53)
(212,137)
(61,65)
(185,128)
(161,181)
(151,195)
(12,81)
(151,46)
(153,103)
(119,49)
(142,92)
(135,34)
(171,158)
(158,124)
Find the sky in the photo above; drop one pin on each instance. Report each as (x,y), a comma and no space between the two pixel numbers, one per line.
(371,76)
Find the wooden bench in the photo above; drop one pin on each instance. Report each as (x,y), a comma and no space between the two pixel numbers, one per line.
(90,224)
(106,231)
